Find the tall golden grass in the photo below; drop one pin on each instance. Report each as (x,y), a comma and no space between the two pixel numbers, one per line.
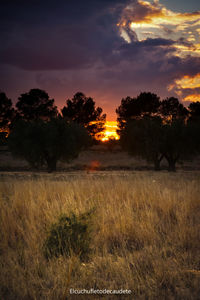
(146,235)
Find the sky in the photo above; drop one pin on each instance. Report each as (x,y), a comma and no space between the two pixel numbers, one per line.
(107,49)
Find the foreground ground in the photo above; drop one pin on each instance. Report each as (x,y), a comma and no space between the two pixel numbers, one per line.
(97,158)
(145,234)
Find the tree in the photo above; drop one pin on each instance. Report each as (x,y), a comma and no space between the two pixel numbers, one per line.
(176,143)
(45,143)
(146,104)
(3,138)
(6,112)
(153,140)
(36,105)
(154,129)
(81,109)
(193,126)
(111,143)
(194,110)
(171,109)
(144,138)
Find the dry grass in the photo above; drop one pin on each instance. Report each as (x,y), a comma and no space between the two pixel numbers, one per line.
(146,234)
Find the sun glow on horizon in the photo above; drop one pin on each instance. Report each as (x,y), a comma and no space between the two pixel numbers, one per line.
(110,131)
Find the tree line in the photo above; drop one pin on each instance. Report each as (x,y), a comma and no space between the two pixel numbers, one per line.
(155,129)
(148,127)
(36,105)
(41,134)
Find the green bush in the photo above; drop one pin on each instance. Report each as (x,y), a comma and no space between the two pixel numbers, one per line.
(71,235)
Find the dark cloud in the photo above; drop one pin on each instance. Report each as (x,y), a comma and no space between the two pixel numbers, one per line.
(150,45)
(58,35)
(140,10)
(187,92)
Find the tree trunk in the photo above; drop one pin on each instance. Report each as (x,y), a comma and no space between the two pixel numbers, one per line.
(51,162)
(157,162)
(157,165)
(52,165)
(172,165)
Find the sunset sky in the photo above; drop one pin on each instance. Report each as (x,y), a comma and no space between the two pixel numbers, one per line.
(107,49)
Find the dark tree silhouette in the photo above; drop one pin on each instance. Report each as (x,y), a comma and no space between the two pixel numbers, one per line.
(194,110)
(6,112)
(111,143)
(3,138)
(153,140)
(144,138)
(176,143)
(81,109)
(45,143)
(36,105)
(171,109)
(146,104)
(149,104)
(193,126)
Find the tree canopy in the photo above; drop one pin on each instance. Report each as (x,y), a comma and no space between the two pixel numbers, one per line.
(144,138)
(36,105)
(82,110)
(150,105)
(6,112)
(45,143)
(171,109)
(155,129)
(154,140)
(176,143)
(194,111)
(145,104)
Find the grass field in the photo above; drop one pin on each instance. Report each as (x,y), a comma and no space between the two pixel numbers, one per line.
(146,234)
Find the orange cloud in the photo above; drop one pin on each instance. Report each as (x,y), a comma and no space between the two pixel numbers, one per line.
(188,82)
(146,14)
(192,98)
(154,20)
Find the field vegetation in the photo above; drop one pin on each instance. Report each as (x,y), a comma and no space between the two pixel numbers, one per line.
(103,220)
(144,237)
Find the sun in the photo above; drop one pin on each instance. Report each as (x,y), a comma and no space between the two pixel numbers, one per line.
(110,131)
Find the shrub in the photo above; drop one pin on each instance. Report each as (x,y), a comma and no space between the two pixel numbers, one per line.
(70,235)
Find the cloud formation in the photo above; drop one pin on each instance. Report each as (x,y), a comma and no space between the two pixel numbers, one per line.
(107,49)
(188,87)
(52,35)
(181,33)
(153,20)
